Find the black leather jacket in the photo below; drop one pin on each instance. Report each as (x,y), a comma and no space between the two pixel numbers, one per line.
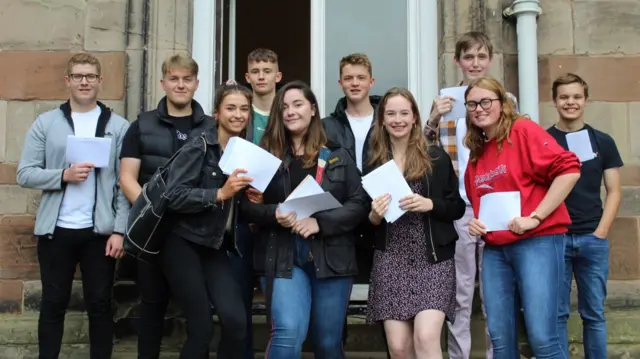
(193,181)
(333,247)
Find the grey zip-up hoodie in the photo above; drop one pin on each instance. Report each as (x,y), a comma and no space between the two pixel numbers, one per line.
(44,159)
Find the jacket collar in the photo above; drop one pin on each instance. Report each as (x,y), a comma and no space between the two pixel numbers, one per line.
(105,115)
(198,114)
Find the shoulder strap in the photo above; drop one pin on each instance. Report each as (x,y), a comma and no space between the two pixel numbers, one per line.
(323,156)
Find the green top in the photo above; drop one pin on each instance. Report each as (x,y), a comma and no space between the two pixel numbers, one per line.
(260,120)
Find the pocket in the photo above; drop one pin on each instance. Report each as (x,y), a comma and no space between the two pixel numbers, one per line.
(336,173)
(340,258)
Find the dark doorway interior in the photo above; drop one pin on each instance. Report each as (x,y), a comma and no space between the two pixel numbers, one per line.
(283,26)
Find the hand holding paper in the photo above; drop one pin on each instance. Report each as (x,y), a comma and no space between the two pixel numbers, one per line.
(96,150)
(459,110)
(498,209)
(307,199)
(259,164)
(387,179)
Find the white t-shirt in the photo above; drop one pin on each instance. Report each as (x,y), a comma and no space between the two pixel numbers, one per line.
(360,127)
(76,210)
(463,156)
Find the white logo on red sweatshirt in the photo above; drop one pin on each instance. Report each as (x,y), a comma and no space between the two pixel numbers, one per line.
(499,171)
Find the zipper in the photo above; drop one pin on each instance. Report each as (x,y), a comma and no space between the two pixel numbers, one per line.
(433,247)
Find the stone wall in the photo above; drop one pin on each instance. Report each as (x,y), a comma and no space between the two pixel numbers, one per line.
(36,40)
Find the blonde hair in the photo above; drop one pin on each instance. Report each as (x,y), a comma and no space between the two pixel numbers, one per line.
(475,138)
(82,59)
(417,160)
(182,61)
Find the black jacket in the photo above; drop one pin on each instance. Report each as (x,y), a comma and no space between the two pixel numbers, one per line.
(339,131)
(193,181)
(333,247)
(157,136)
(441,186)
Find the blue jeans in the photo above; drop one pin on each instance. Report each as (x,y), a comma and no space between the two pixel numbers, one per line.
(587,258)
(303,299)
(534,267)
(243,270)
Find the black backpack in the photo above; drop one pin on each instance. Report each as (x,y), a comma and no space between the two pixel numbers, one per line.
(145,215)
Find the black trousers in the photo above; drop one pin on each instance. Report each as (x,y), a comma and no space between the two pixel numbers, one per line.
(58,257)
(154,300)
(201,277)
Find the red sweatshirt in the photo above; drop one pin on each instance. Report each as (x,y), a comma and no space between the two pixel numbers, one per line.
(528,164)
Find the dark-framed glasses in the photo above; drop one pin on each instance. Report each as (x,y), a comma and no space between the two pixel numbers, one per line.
(79,77)
(485,103)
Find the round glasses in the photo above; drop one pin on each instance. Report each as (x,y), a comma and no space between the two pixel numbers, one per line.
(485,103)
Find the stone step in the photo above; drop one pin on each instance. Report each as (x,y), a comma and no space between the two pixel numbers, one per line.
(623,315)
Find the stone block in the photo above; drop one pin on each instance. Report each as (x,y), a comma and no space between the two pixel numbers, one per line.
(555,28)
(548,114)
(136,20)
(162,21)
(634,128)
(630,204)
(3,129)
(510,74)
(608,77)
(11,296)
(134,83)
(17,248)
(33,294)
(182,27)
(13,199)
(22,330)
(20,116)
(105,25)
(611,118)
(630,173)
(116,106)
(606,27)
(40,75)
(624,242)
(33,200)
(7,173)
(61,23)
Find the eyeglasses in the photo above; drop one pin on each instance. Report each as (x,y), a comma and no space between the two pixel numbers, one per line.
(485,103)
(79,77)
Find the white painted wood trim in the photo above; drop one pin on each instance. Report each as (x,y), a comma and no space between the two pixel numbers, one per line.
(232,41)
(203,50)
(422,35)
(318,55)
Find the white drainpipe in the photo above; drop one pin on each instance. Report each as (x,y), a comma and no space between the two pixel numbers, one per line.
(526,13)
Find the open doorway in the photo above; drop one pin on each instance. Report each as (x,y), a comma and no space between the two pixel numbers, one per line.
(282,26)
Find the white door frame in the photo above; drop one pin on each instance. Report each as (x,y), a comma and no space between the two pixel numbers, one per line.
(422,33)
(203,47)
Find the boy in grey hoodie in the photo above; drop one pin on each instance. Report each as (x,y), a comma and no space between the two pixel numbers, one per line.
(83,212)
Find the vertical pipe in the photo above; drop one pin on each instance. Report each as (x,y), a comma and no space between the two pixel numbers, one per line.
(526,13)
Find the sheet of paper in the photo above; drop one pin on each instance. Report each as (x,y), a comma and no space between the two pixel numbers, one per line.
(580,144)
(96,150)
(308,187)
(388,179)
(307,206)
(458,110)
(498,209)
(260,164)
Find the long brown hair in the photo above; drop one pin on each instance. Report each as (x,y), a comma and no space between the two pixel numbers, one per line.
(228,88)
(475,138)
(276,138)
(417,160)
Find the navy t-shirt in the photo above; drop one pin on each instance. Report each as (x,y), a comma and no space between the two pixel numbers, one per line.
(584,202)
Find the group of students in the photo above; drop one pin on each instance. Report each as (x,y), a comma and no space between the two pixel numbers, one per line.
(219,233)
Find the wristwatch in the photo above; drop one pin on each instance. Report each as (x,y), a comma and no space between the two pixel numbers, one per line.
(534,215)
